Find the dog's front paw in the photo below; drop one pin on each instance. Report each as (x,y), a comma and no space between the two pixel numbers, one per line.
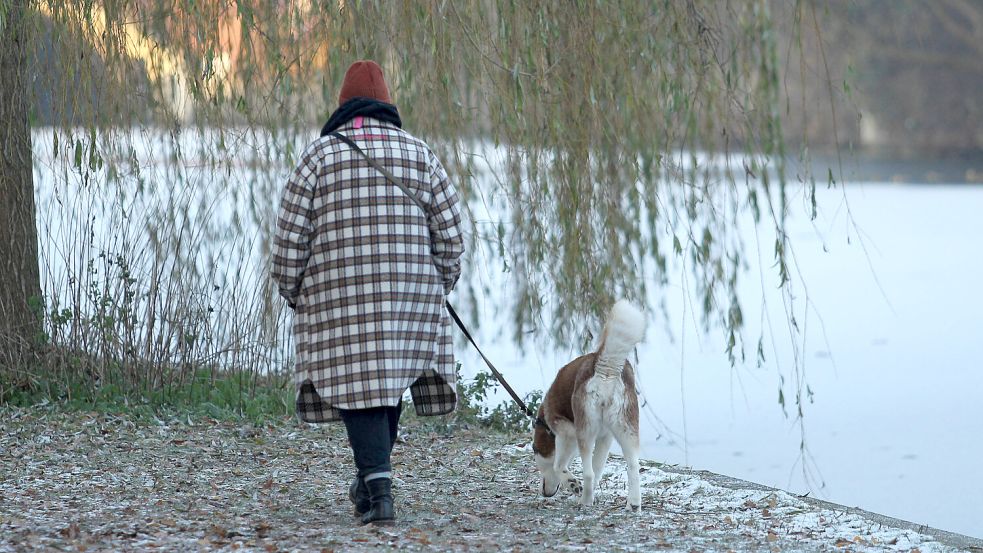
(574,486)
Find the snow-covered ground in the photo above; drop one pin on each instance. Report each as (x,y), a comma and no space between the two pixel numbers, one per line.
(84,481)
(724,506)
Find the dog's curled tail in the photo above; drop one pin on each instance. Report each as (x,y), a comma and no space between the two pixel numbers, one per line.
(624,329)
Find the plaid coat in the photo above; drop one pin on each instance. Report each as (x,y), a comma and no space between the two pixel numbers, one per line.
(368,272)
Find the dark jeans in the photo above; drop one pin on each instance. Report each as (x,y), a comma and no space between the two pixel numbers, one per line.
(371,435)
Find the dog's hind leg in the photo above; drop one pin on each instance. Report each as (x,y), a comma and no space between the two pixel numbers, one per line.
(586,444)
(630,447)
(601,450)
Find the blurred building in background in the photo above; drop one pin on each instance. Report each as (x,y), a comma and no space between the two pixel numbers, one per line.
(906,76)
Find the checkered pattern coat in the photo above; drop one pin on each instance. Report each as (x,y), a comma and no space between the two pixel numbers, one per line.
(368,272)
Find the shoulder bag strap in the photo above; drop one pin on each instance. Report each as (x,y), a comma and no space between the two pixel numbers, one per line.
(378,166)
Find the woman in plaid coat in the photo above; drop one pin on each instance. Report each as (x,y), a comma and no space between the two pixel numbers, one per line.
(367,271)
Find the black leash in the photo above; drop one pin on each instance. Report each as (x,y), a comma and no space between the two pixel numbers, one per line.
(537,420)
(522,405)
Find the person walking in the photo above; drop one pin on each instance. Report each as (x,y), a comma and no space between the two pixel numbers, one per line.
(367,269)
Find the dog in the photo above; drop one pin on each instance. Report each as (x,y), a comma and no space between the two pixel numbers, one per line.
(592,401)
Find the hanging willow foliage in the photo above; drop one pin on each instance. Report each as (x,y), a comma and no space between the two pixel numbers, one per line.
(634,134)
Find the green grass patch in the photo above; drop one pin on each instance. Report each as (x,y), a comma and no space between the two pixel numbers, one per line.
(205,393)
(67,384)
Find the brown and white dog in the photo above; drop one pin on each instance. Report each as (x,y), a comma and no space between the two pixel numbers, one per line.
(592,401)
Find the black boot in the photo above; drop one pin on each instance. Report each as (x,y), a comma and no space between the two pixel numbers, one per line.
(381,498)
(359,496)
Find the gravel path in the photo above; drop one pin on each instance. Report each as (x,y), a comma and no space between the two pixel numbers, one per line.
(92,482)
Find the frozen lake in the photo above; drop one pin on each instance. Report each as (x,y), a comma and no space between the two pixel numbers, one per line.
(892,343)
(896,423)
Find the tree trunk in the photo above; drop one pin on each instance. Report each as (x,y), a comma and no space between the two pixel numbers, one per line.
(20,282)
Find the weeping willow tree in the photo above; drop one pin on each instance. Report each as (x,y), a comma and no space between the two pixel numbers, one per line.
(632,135)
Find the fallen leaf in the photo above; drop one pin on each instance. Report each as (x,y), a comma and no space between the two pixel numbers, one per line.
(71,531)
(262,529)
(223,533)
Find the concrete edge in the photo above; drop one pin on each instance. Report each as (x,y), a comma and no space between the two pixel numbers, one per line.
(945,537)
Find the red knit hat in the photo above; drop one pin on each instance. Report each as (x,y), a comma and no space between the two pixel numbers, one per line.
(364,78)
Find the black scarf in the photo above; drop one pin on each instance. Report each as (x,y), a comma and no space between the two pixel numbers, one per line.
(366,107)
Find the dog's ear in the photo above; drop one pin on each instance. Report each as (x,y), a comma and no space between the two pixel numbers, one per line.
(543,443)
